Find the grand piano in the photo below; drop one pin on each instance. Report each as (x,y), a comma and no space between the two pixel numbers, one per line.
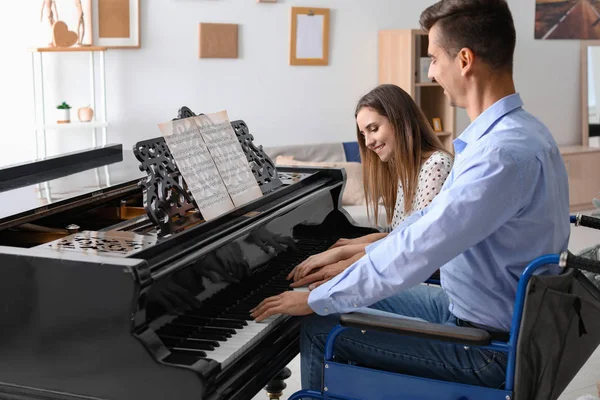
(113,286)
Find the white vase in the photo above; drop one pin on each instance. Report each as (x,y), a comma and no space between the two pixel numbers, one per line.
(64,115)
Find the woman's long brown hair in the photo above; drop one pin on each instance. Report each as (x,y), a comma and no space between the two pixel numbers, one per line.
(415,140)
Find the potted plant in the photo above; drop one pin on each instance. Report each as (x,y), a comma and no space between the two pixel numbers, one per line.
(64,113)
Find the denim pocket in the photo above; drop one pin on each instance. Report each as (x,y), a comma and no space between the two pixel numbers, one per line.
(494,373)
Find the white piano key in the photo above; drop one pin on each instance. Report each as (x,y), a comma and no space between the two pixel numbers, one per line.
(239,342)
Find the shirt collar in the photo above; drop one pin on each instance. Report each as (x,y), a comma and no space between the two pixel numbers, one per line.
(487,119)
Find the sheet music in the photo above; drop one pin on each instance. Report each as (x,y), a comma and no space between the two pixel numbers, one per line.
(197,167)
(229,158)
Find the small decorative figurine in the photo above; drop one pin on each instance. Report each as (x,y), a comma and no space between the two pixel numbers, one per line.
(80,23)
(48,5)
(51,11)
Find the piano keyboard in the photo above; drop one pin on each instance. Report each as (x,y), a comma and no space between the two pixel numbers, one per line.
(221,329)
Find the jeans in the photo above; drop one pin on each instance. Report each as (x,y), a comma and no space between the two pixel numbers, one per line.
(401,354)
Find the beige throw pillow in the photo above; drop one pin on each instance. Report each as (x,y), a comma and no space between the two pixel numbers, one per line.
(353,191)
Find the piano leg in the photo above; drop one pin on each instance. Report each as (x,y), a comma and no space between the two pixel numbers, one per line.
(275,387)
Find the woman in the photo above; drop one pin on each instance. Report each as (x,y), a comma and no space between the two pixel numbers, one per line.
(404,168)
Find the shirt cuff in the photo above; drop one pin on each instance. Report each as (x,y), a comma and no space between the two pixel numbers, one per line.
(320,302)
(373,245)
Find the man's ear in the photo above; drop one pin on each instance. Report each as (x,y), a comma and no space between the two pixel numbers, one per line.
(465,59)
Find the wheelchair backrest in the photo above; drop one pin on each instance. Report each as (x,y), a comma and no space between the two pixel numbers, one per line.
(560,329)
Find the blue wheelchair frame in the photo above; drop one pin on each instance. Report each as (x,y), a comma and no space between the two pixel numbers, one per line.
(350,382)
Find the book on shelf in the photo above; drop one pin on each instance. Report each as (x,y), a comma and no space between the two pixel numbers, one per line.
(423,70)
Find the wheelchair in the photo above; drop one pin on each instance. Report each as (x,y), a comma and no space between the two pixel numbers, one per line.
(555,329)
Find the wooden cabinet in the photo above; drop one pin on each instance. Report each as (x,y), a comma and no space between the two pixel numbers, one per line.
(400,54)
(583,168)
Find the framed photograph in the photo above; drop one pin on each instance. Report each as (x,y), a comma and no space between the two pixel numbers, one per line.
(567,19)
(437,125)
(116,23)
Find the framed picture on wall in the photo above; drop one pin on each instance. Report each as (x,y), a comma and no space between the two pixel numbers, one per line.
(567,19)
(116,23)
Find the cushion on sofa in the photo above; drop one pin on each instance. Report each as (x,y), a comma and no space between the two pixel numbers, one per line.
(309,152)
(352,151)
(353,191)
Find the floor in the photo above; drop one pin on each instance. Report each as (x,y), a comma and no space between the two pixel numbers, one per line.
(584,382)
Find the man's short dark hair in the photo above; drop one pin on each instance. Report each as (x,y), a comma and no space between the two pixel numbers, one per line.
(484,26)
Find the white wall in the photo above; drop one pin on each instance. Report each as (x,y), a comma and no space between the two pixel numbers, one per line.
(282,104)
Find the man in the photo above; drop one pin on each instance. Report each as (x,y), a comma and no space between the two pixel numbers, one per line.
(504,204)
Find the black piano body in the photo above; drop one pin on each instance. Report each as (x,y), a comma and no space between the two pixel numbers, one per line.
(97,305)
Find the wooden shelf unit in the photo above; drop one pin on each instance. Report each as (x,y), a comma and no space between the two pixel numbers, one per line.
(583,164)
(582,161)
(400,51)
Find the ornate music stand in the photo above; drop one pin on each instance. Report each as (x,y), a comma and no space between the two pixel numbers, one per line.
(167,200)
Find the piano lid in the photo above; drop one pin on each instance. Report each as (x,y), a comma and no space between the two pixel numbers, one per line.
(72,184)
(47,168)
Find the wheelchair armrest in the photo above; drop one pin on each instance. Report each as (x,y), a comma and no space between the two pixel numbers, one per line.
(426,330)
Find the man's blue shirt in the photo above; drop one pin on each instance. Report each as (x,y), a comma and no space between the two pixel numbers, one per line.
(505,202)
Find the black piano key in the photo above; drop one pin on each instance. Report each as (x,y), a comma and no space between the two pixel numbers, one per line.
(199,318)
(238,316)
(208,311)
(188,352)
(268,293)
(212,322)
(201,344)
(182,359)
(209,336)
(188,329)
(188,345)
(227,332)
(172,340)
(243,310)
(195,334)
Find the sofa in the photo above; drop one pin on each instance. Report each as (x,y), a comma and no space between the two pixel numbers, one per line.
(344,155)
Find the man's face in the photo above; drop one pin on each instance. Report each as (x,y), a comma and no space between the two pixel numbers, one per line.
(445,70)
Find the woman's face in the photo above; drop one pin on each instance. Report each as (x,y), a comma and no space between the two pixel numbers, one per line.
(377,131)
